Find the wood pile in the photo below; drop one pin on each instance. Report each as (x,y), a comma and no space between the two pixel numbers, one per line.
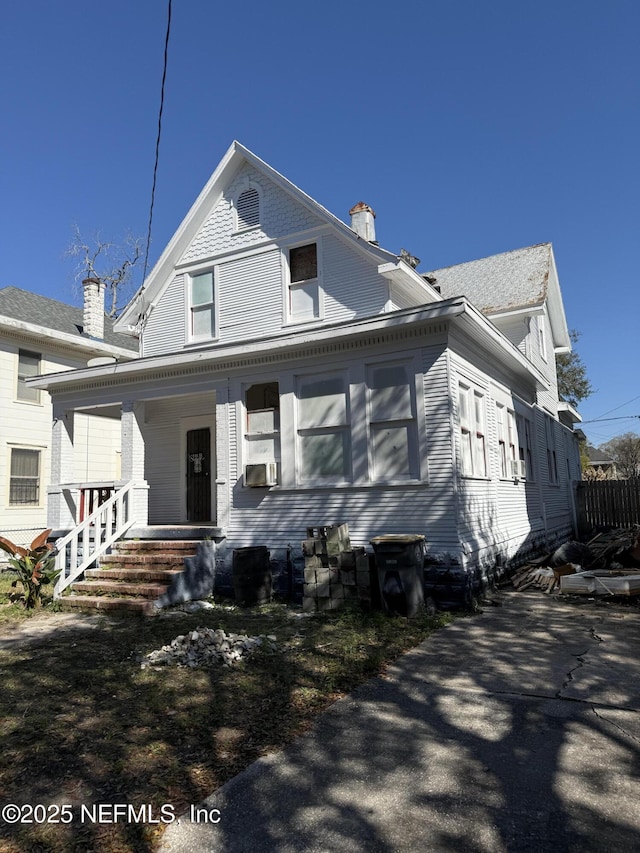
(542,577)
(603,548)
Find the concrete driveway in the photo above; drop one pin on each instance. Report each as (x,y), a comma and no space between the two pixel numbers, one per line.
(514,730)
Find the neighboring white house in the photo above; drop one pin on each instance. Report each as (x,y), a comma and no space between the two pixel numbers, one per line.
(40,335)
(293,373)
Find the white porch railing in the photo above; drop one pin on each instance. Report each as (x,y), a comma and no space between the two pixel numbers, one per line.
(80,548)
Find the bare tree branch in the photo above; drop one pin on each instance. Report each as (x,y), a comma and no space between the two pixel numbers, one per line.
(110,263)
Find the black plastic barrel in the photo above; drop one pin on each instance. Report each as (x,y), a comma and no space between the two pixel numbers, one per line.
(400,564)
(252,575)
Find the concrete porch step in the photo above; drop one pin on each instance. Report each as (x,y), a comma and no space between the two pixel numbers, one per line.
(133,561)
(103,603)
(126,574)
(153,546)
(107,587)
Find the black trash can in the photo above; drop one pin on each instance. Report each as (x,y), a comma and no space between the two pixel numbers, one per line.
(252,575)
(400,564)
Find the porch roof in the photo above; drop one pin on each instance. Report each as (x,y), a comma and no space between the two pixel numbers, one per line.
(285,346)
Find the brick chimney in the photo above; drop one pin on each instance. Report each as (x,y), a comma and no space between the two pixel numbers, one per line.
(362,221)
(93,317)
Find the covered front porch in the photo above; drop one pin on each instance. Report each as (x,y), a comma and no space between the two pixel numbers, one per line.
(166,486)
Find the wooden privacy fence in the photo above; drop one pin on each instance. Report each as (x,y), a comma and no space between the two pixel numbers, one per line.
(608,503)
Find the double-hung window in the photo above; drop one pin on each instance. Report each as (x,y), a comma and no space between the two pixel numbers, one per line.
(472,431)
(303,289)
(24,484)
(506,439)
(202,319)
(552,461)
(262,429)
(392,422)
(28,366)
(323,426)
(525,453)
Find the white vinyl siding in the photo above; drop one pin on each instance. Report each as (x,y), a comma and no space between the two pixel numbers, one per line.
(165,329)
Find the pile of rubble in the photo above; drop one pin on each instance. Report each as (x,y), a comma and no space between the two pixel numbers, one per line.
(206,646)
(607,565)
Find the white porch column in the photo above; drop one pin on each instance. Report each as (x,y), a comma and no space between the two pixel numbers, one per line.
(132,467)
(62,502)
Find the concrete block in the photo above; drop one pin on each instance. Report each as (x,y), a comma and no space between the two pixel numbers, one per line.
(363,580)
(323,575)
(348,577)
(330,603)
(309,605)
(309,575)
(337,590)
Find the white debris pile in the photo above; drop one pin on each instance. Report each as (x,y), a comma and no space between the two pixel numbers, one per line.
(206,646)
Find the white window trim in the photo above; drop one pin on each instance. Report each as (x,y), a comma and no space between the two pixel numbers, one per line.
(19,399)
(552,455)
(415,449)
(507,435)
(542,337)
(189,276)
(247,436)
(474,429)
(286,313)
(40,449)
(301,432)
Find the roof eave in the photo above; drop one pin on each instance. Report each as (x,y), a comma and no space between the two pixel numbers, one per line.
(90,346)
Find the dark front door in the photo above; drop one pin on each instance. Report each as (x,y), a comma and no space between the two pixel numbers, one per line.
(198,474)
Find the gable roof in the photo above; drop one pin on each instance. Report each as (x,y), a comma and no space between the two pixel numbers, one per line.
(519,280)
(49,314)
(228,167)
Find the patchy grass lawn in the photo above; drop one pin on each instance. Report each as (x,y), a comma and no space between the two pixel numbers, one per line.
(12,612)
(82,723)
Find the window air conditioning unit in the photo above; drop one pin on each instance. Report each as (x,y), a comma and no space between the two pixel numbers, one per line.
(261,475)
(518,469)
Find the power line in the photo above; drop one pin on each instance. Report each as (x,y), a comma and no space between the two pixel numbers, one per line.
(155,167)
(615,409)
(621,418)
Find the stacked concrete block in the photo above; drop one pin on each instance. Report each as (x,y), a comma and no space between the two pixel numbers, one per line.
(334,572)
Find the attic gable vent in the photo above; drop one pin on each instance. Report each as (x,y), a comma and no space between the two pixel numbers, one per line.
(248,208)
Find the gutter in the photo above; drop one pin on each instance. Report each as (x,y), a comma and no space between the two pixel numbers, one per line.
(480,328)
(88,345)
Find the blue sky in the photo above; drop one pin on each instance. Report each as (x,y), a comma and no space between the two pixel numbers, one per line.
(470,127)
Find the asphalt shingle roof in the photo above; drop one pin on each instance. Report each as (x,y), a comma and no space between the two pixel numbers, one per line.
(511,280)
(33,308)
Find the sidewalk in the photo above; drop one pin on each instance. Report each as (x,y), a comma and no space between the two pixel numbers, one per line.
(515,730)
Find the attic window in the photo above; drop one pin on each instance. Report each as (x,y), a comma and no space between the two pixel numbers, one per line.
(248,208)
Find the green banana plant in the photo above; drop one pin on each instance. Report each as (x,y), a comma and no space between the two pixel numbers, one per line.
(34,565)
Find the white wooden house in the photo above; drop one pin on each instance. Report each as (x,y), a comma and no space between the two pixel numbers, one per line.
(293,373)
(41,335)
